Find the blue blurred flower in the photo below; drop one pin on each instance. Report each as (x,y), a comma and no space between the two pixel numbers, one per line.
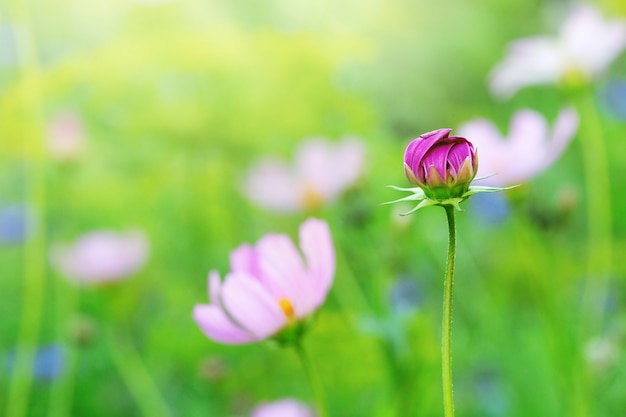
(49,362)
(489,208)
(491,394)
(405,296)
(13,223)
(8,46)
(613,98)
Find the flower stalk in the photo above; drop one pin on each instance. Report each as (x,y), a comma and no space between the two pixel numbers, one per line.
(314,378)
(446,325)
(135,374)
(599,215)
(29,96)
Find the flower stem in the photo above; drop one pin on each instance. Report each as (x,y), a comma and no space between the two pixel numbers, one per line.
(28,95)
(63,388)
(599,214)
(136,376)
(446,325)
(314,378)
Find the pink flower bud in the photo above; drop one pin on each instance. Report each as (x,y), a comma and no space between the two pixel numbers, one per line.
(442,166)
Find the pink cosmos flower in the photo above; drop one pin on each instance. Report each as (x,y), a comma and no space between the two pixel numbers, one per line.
(282,408)
(442,165)
(65,136)
(585,47)
(321,172)
(530,147)
(102,256)
(269,287)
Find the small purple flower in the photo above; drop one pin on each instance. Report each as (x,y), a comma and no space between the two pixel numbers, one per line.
(269,287)
(442,165)
(321,172)
(101,257)
(282,408)
(530,148)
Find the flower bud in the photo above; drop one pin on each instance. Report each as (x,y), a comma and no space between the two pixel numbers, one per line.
(442,166)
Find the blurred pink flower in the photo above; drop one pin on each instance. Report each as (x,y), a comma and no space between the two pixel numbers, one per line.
(282,408)
(585,46)
(65,136)
(529,149)
(269,287)
(102,256)
(322,171)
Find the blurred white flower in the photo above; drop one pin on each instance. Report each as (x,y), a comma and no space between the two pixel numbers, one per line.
(101,256)
(529,149)
(282,408)
(585,46)
(65,136)
(601,352)
(322,170)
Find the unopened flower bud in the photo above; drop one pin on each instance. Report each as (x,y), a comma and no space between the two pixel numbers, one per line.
(443,166)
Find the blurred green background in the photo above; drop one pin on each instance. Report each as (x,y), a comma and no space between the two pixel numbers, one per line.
(178,98)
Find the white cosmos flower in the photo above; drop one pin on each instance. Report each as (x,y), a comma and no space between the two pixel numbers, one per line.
(530,147)
(321,171)
(585,46)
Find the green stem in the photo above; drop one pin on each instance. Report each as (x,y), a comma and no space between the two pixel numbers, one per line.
(446,325)
(28,93)
(314,378)
(599,214)
(63,387)
(136,376)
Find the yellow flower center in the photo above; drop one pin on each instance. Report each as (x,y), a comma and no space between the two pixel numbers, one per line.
(287,308)
(312,199)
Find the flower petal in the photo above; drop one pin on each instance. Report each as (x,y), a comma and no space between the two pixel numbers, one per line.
(273,185)
(317,245)
(245,259)
(283,273)
(251,305)
(215,287)
(530,61)
(563,132)
(218,327)
(437,158)
(417,149)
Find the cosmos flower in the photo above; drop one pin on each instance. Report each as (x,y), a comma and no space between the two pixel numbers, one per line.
(269,288)
(101,256)
(529,149)
(321,172)
(442,167)
(65,136)
(283,408)
(584,48)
